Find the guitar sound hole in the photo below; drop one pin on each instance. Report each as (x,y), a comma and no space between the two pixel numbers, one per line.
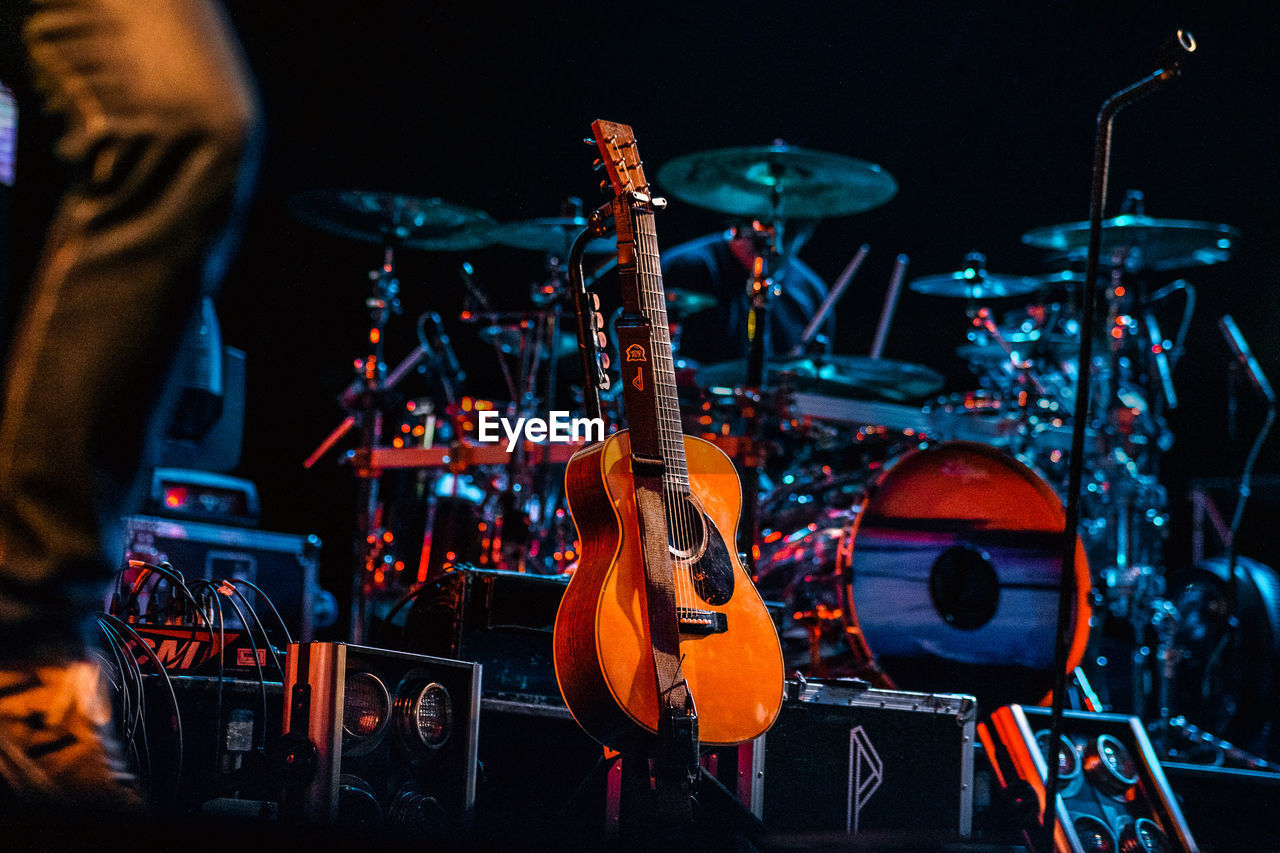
(697,547)
(686,530)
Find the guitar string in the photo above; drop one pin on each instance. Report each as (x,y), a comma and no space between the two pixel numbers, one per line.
(675,473)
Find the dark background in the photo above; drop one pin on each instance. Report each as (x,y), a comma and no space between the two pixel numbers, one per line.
(983,111)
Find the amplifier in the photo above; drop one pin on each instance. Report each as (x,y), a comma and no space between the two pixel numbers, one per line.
(282,564)
(850,759)
(503,620)
(1228,809)
(540,772)
(1112,792)
(229,727)
(388,739)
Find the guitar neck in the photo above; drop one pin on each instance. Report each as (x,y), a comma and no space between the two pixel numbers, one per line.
(653,305)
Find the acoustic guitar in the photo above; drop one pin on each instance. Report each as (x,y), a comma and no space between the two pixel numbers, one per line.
(727,656)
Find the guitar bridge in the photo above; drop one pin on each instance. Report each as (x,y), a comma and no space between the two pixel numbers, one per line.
(701,622)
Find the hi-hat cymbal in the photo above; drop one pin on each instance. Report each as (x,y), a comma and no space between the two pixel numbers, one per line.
(777,182)
(976,283)
(1140,242)
(550,234)
(512,339)
(681,303)
(837,375)
(392,219)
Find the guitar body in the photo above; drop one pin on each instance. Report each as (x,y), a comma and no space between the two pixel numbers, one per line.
(603,651)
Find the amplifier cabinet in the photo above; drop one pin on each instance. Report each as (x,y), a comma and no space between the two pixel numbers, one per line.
(393,737)
(849,758)
(283,565)
(1112,792)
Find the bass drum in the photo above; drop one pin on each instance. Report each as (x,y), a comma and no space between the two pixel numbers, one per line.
(945,576)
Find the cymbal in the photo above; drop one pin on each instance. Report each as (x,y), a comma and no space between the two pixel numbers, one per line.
(511,339)
(979,284)
(392,219)
(836,375)
(777,182)
(550,234)
(974,284)
(681,303)
(1141,242)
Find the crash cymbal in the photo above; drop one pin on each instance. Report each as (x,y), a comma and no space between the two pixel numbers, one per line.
(777,182)
(1140,242)
(837,375)
(551,234)
(391,219)
(681,303)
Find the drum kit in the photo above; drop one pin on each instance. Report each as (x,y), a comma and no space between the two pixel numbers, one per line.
(908,538)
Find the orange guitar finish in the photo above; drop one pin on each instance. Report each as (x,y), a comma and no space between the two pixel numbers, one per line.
(603,654)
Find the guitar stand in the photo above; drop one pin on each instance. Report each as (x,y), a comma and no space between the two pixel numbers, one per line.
(715,820)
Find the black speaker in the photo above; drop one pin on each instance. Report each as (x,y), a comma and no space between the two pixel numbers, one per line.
(389,739)
(1112,793)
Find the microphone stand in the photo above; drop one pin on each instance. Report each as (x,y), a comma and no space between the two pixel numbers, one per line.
(1183,43)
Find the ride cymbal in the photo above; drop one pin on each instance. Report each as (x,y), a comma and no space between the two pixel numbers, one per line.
(777,182)
(392,219)
(1139,242)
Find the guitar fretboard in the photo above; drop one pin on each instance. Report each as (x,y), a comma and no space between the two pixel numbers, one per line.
(654,306)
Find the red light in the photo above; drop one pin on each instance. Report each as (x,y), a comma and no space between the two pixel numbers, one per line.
(175,497)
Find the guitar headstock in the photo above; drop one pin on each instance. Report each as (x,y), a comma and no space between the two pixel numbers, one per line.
(620,157)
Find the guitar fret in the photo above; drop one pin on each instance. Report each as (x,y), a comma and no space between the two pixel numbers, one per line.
(653,305)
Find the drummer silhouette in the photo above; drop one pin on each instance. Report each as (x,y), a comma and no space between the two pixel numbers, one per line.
(720,265)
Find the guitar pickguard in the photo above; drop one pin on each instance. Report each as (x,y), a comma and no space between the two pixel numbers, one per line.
(697,547)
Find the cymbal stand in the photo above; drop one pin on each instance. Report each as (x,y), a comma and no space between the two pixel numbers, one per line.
(759,289)
(368,551)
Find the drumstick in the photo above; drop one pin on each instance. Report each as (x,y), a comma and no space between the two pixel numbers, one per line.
(890,306)
(832,297)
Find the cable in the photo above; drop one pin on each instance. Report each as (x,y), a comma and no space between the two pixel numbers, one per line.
(262,629)
(168,682)
(210,589)
(253,586)
(174,578)
(262,681)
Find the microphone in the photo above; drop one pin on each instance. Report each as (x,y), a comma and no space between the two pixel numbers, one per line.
(1244,355)
(438,340)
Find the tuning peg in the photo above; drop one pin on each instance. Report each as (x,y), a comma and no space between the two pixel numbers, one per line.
(601,340)
(604,360)
(660,203)
(597,164)
(604,188)
(604,382)
(595,300)
(597,320)
(589,141)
